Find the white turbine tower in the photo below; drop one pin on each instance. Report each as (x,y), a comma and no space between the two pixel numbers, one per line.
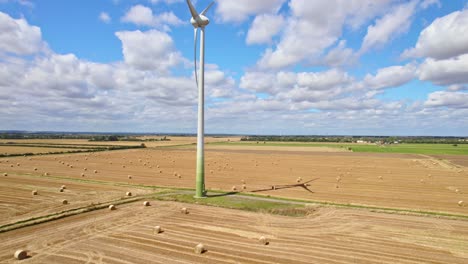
(199,21)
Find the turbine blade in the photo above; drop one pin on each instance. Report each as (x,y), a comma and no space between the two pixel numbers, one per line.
(207,8)
(192,9)
(195,31)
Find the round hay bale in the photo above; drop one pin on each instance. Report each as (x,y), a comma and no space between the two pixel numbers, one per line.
(244,186)
(243,181)
(157,229)
(64,202)
(11,165)
(112,207)
(71,166)
(234,188)
(160,171)
(175,174)
(123,166)
(184,210)
(211,171)
(85,169)
(299,179)
(146,203)
(95,171)
(17,164)
(457,191)
(461,203)
(130,177)
(200,249)
(21,254)
(128,194)
(34,192)
(5,174)
(263,240)
(421,181)
(380,177)
(61,190)
(82,174)
(35,169)
(46,174)
(63,187)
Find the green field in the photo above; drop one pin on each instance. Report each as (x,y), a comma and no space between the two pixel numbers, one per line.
(428,149)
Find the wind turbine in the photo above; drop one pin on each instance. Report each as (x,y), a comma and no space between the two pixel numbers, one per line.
(200,21)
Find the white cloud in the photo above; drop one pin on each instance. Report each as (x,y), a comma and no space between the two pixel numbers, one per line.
(142,15)
(104,17)
(313,26)
(264,28)
(447,99)
(446,37)
(18,37)
(389,26)
(159,56)
(339,56)
(445,72)
(427,3)
(240,10)
(390,77)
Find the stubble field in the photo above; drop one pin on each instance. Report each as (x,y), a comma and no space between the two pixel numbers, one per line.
(409,182)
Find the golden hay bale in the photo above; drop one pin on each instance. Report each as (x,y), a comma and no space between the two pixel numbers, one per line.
(244,186)
(11,165)
(34,192)
(82,174)
(17,164)
(85,169)
(200,249)
(71,166)
(184,210)
(61,190)
(21,254)
(112,207)
(95,171)
(421,181)
(160,171)
(157,229)
(5,174)
(64,202)
(460,203)
(130,177)
(243,181)
(146,203)
(46,174)
(380,177)
(234,188)
(263,240)
(457,191)
(35,169)
(123,166)
(129,194)
(63,187)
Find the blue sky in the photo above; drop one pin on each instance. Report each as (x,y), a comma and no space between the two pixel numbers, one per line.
(387,67)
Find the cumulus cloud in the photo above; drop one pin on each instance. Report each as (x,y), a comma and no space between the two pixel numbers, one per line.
(389,26)
(264,28)
(159,56)
(445,72)
(390,77)
(447,99)
(444,38)
(142,15)
(105,17)
(18,37)
(314,26)
(240,10)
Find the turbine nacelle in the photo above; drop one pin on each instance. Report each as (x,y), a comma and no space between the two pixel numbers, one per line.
(200,21)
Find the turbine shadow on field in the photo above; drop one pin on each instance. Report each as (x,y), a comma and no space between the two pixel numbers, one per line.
(221,194)
(304,185)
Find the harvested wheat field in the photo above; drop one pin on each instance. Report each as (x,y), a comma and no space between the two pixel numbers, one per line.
(406,181)
(26,197)
(127,235)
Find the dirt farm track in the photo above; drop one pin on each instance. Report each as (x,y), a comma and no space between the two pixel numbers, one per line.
(409,182)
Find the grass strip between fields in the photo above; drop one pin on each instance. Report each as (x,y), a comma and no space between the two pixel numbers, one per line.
(65,213)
